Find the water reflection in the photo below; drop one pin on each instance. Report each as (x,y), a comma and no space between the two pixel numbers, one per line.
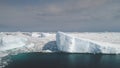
(84,60)
(63,60)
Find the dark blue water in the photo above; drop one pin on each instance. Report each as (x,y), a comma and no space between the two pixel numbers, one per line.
(64,60)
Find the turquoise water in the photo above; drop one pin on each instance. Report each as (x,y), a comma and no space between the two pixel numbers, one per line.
(63,60)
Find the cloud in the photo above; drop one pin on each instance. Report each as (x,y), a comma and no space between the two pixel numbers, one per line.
(69,6)
(60,14)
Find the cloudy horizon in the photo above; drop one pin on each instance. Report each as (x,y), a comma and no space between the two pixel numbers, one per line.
(60,15)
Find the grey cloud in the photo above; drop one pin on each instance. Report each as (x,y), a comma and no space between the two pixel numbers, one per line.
(66,15)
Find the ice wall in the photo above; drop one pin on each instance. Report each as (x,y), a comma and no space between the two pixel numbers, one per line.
(67,43)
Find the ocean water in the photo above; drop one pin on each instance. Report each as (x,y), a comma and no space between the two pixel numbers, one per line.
(63,60)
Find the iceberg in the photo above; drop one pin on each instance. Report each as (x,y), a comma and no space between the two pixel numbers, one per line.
(18,42)
(12,43)
(71,44)
(8,42)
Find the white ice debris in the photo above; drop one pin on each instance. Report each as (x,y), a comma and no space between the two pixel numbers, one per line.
(68,43)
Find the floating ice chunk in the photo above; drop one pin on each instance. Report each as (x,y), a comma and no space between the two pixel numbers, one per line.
(67,43)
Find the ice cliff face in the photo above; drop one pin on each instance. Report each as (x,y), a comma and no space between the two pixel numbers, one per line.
(68,43)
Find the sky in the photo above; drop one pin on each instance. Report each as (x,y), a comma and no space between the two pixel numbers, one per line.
(60,15)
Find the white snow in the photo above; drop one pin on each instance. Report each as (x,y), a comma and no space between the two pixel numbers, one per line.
(71,44)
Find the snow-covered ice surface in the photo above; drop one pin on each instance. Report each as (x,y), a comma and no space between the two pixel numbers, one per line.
(93,43)
(73,42)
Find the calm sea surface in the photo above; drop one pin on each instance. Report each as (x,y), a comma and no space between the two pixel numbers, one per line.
(63,60)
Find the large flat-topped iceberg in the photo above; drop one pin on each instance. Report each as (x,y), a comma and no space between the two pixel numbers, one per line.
(68,43)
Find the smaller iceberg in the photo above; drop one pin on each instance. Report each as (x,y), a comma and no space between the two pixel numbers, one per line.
(68,43)
(8,42)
